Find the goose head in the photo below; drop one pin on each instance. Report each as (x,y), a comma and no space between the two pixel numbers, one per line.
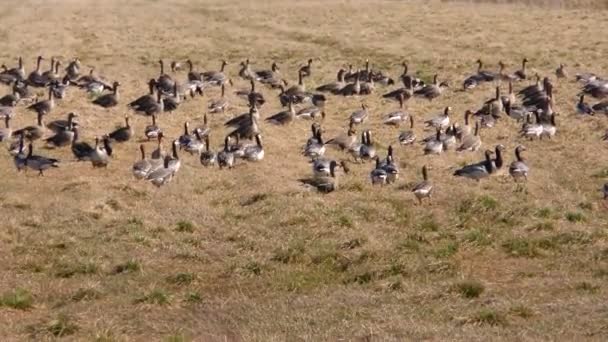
(344,166)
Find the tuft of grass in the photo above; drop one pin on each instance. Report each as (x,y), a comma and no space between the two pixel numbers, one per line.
(586,287)
(193,297)
(18,299)
(70,270)
(253,267)
(543,226)
(447,249)
(478,237)
(544,213)
(127,267)
(62,326)
(181,279)
(291,254)
(345,221)
(469,288)
(85,294)
(428,224)
(520,247)
(156,296)
(255,199)
(521,311)
(184,227)
(489,317)
(176,338)
(575,217)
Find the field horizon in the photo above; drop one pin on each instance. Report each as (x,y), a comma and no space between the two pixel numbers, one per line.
(250,254)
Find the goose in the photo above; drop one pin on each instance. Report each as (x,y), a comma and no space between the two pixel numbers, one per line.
(306,70)
(471,142)
(488,121)
(81,150)
(440,121)
(39,163)
(465,130)
(344,141)
(297,89)
(246,73)
(195,146)
(334,87)
(73,69)
(432,91)
(18,153)
(351,89)
(145,100)
(225,158)
(216,78)
(44,107)
(23,91)
(61,138)
(320,167)
(219,105)
(493,106)
(311,112)
(170,103)
(315,147)
(406,92)
(423,189)
(11,100)
(497,163)
(510,97)
(502,75)
(284,117)
(162,175)
(392,170)
(60,89)
(193,75)
(154,108)
(449,139)
(487,76)
(164,82)
(253,97)
(540,100)
(532,130)
(518,113)
(185,138)
(159,152)
(477,171)
(408,80)
(122,134)
(378,174)
(204,129)
(549,129)
(6,111)
(109,100)
(408,137)
(255,152)
(597,88)
(601,107)
(52,73)
(367,87)
(521,74)
(367,150)
(519,169)
(61,125)
(561,72)
(584,108)
(174,161)
(152,131)
(324,184)
(380,78)
(208,157)
(32,133)
(270,74)
(6,132)
(35,78)
(434,146)
(248,126)
(142,167)
(397,117)
(359,116)
(101,154)
(13,74)
(315,128)
(243,119)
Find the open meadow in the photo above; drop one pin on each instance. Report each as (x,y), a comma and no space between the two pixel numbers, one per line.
(250,254)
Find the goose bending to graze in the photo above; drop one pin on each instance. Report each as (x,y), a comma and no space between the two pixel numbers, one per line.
(434,146)
(346,140)
(408,137)
(220,105)
(44,107)
(145,100)
(519,169)
(324,184)
(122,134)
(334,87)
(35,78)
(109,100)
(284,117)
(478,170)
(60,125)
(142,167)
(432,91)
(81,150)
(423,189)
(208,157)
(39,163)
(359,116)
(522,74)
(311,112)
(397,117)
(471,142)
(6,132)
(584,108)
(225,158)
(440,121)
(32,133)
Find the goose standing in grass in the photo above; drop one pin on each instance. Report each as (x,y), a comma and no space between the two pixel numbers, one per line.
(19,154)
(61,138)
(101,154)
(423,189)
(44,107)
(80,149)
(161,175)
(283,117)
(432,91)
(39,163)
(196,145)
(14,74)
(367,150)
(315,147)
(516,112)
(109,100)
(311,112)
(392,170)
(479,77)
(6,132)
(61,125)
(193,75)
(449,139)
(584,108)
(532,130)
(502,76)
(324,184)
(142,167)
(550,128)
(334,87)
(346,140)
(153,130)
(170,103)
(522,74)
(216,78)
(144,101)
(248,127)
(255,152)
(186,137)
(220,105)
(510,97)
(208,157)
(32,133)
(72,71)
(264,76)
(359,116)
(434,146)
(11,100)
(60,89)
(252,97)
(397,117)
(50,74)
(477,171)
(159,152)
(465,130)
(225,158)
(122,134)
(471,142)
(306,70)
(164,82)
(561,72)
(519,169)
(498,162)
(408,137)
(351,89)
(378,174)
(440,121)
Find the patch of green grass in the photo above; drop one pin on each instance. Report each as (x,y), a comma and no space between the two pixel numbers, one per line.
(447,249)
(65,270)
(469,288)
(586,206)
(521,247)
(345,221)
(601,273)
(62,326)
(428,224)
(127,267)
(544,213)
(575,217)
(489,317)
(193,297)
(521,311)
(487,202)
(253,267)
(291,254)
(184,227)
(85,294)
(176,337)
(478,237)
(156,296)
(18,299)
(181,279)
(134,223)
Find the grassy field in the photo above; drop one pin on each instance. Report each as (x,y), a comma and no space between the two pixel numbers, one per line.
(249,254)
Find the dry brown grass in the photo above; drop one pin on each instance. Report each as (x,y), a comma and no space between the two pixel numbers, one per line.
(248,254)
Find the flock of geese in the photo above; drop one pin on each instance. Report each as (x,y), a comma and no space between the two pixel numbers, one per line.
(533,106)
